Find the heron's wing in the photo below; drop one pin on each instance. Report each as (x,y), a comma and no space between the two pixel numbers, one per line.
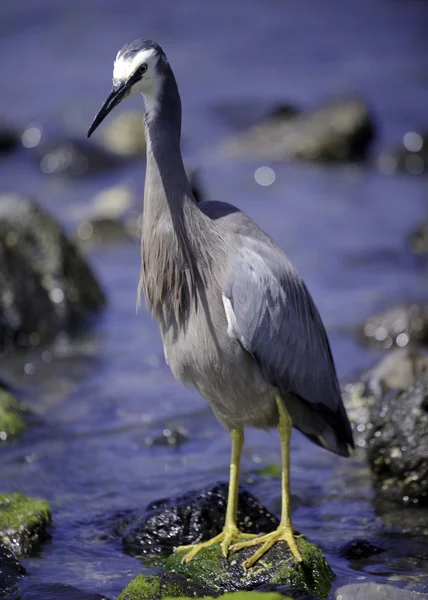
(271,312)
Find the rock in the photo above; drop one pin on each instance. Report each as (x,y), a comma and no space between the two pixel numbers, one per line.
(277,566)
(103,231)
(398,444)
(173,437)
(53,591)
(10,569)
(193,517)
(411,156)
(11,422)
(124,134)
(418,239)
(376,591)
(46,287)
(397,326)
(338,131)
(9,139)
(23,522)
(356,549)
(291,592)
(156,587)
(399,369)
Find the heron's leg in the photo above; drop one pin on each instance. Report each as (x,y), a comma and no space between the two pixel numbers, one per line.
(230,530)
(284,532)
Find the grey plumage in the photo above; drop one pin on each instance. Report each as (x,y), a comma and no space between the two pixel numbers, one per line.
(237,321)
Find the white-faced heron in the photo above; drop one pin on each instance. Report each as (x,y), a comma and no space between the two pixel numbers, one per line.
(237,321)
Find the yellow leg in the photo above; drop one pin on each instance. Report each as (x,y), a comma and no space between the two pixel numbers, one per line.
(285,529)
(230,531)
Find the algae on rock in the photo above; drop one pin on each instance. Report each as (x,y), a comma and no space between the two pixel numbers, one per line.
(11,422)
(276,566)
(157,587)
(23,522)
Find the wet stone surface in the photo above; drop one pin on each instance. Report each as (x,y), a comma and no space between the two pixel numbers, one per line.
(10,569)
(194,517)
(396,327)
(46,286)
(356,549)
(398,445)
(276,566)
(374,591)
(23,522)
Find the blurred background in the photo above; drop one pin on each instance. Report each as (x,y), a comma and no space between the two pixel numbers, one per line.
(311,117)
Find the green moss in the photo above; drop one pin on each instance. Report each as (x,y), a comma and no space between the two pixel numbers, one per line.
(11,422)
(276,566)
(23,522)
(143,587)
(244,596)
(270,471)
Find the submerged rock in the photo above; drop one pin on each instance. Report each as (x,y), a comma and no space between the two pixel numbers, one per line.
(418,239)
(357,549)
(9,138)
(53,591)
(168,585)
(398,444)
(193,517)
(11,422)
(398,326)
(23,522)
(277,566)
(291,592)
(376,591)
(410,156)
(46,287)
(340,130)
(10,569)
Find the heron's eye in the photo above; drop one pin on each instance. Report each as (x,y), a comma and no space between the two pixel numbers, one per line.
(142,69)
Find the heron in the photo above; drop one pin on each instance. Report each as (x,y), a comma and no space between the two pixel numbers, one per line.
(236,320)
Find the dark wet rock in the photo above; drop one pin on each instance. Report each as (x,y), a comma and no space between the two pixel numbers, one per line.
(398,326)
(412,521)
(167,585)
(46,286)
(356,549)
(9,138)
(170,436)
(411,156)
(12,423)
(340,130)
(10,569)
(291,592)
(398,444)
(375,591)
(103,231)
(75,158)
(58,154)
(418,239)
(240,113)
(123,134)
(53,591)
(23,522)
(193,517)
(277,566)
(398,370)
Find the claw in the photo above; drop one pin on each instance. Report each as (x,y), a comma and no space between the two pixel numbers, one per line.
(225,539)
(282,534)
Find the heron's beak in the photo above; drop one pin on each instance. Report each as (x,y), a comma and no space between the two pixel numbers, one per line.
(117,94)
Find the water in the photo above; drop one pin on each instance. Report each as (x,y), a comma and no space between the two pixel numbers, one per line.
(344,228)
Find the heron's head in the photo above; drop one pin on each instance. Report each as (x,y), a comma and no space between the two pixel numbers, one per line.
(139,68)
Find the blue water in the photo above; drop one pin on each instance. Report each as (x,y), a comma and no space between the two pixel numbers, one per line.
(103,394)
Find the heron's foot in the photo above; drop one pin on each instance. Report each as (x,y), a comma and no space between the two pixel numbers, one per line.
(284,533)
(225,539)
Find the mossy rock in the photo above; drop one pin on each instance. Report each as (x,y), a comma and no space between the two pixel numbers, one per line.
(156,587)
(247,596)
(11,422)
(23,522)
(276,566)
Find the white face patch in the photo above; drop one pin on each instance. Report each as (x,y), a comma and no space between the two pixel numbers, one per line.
(123,68)
(148,85)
